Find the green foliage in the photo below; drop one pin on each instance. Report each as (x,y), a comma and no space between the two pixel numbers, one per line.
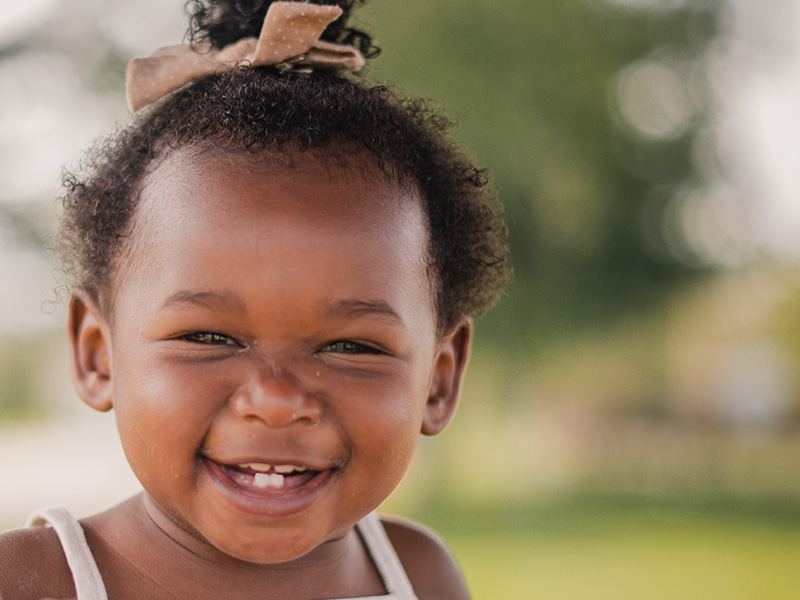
(18,372)
(585,547)
(529,82)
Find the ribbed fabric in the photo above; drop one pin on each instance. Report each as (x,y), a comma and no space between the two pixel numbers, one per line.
(386,560)
(89,584)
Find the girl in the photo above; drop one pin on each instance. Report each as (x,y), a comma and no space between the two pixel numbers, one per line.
(274,268)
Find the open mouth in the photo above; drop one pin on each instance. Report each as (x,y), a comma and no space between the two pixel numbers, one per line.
(275,489)
(262,477)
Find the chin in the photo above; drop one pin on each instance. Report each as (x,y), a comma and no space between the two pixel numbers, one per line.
(269,547)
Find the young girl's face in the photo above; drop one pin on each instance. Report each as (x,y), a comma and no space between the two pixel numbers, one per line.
(272,354)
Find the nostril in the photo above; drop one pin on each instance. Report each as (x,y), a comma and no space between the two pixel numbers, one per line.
(277,402)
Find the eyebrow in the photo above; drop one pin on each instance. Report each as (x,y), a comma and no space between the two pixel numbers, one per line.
(358,308)
(211,300)
(231,302)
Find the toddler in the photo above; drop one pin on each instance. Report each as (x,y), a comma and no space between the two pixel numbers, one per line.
(273,269)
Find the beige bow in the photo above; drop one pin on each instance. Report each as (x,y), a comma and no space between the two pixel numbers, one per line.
(290,35)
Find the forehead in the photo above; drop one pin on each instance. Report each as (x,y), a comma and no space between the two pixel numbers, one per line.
(316,189)
(209,204)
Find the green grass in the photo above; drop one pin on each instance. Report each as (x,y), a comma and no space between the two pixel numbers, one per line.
(617,549)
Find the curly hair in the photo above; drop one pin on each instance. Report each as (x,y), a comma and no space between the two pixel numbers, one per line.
(263,110)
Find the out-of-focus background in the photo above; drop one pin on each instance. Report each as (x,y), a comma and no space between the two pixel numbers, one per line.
(631,421)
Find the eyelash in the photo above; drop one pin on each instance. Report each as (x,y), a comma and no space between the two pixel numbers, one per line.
(350,347)
(210,338)
(339,347)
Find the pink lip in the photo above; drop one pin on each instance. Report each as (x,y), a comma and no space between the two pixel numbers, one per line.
(268,502)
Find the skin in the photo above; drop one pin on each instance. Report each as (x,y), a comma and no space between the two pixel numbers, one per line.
(264,312)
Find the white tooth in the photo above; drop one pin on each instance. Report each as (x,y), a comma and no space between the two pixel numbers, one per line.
(288,469)
(262,480)
(256,466)
(275,480)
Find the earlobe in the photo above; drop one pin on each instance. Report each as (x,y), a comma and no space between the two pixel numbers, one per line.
(448,372)
(91,358)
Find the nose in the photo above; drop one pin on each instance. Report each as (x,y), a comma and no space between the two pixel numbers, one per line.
(277,398)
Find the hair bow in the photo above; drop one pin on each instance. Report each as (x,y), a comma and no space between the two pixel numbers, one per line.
(290,36)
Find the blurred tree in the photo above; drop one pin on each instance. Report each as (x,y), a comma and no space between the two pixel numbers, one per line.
(534,83)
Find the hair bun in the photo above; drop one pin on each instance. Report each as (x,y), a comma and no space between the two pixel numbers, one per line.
(223,22)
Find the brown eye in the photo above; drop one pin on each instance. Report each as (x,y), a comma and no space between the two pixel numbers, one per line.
(349,347)
(209,337)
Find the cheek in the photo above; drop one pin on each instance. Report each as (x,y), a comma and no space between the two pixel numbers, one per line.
(387,428)
(162,415)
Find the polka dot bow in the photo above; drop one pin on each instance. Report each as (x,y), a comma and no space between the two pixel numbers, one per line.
(289,37)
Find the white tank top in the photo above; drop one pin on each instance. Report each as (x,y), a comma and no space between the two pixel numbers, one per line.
(89,584)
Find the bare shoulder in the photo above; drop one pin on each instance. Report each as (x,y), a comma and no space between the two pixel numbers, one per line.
(32,565)
(430,565)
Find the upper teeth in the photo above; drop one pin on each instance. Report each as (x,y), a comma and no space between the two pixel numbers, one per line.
(265,468)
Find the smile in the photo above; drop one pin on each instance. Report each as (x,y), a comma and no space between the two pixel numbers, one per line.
(262,476)
(276,489)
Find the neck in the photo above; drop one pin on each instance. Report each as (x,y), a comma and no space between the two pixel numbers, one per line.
(183,540)
(139,549)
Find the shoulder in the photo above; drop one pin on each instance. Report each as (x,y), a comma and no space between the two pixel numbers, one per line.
(430,565)
(33,565)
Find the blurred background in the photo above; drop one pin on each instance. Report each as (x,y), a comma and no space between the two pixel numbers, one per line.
(630,425)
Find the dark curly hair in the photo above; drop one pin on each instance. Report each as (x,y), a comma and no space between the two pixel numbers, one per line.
(260,109)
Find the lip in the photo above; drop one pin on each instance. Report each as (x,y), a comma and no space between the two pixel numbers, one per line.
(269,502)
(310,465)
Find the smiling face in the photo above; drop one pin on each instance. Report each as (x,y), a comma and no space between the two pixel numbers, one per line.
(273,354)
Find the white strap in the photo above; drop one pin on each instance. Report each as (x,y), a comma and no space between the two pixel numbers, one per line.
(385,558)
(85,574)
(89,583)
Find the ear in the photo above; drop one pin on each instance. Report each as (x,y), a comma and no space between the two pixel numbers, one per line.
(89,337)
(448,371)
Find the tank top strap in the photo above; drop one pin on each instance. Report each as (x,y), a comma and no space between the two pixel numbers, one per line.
(386,560)
(88,582)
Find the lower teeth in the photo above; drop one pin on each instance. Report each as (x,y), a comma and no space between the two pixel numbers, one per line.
(265,480)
